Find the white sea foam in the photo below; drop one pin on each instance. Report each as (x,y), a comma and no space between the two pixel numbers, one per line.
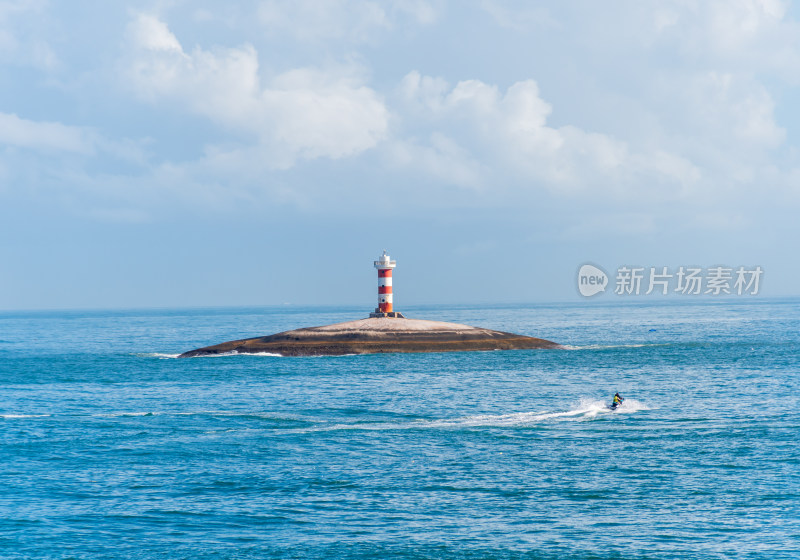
(228,354)
(269,355)
(631,405)
(164,356)
(611,346)
(24,415)
(586,408)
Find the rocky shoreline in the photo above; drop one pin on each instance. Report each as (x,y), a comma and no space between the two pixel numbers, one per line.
(377,335)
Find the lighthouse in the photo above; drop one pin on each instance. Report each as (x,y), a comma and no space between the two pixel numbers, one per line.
(385,265)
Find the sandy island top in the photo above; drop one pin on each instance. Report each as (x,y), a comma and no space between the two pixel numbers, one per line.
(377,335)
(385,324)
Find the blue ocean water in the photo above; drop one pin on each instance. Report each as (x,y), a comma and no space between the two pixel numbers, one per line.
(113,448)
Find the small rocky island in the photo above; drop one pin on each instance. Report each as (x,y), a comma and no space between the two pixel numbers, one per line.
(377,335)
(384,331)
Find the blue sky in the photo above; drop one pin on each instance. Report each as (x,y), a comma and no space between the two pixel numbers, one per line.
(175,153)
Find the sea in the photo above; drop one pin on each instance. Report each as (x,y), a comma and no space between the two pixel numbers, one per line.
(112,447)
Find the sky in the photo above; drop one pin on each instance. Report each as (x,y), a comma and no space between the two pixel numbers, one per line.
(198,153)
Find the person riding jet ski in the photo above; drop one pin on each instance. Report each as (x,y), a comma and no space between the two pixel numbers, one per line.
(616,401)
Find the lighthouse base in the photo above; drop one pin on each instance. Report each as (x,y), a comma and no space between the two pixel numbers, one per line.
(395,314)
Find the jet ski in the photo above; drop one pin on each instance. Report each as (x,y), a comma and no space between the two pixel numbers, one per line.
(615,404)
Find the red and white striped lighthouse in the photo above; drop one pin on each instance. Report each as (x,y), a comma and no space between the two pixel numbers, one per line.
(385,265)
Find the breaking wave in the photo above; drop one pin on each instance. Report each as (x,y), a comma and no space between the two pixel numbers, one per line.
(163,356)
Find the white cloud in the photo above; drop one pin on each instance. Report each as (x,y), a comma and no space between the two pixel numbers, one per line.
(518,18)
(304,113)
(696,109)
(47,136)
(149,33)
(740,107)
(423,11)
(724,123)
(22,42)
(441,158)
(336,19)
(755,36)
(690,111)
(318,114)
(734,24)
(10,8)
(506,136)
(349,20)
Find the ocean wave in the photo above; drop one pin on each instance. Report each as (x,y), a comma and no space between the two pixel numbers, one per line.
(612,346)
(24,415)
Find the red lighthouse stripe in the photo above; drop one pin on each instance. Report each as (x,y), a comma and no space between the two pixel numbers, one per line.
(384,273)
(384,289)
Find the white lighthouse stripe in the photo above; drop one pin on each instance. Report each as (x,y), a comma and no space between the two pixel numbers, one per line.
(385,298)
(385,281)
